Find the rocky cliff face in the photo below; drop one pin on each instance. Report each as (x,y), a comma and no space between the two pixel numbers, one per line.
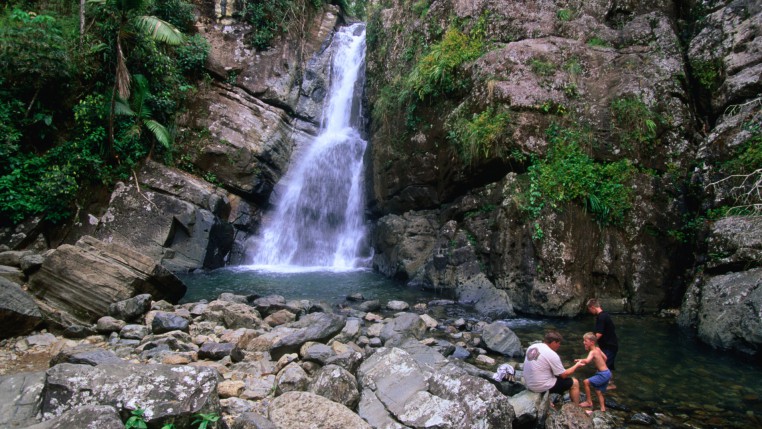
(238,135)
(671,92)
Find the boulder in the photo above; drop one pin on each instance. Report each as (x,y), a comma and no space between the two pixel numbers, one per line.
(86,416)
(290,337)
(166,322)
(337,384)
(252,421)
(232,315)
(570,416)
(291,378)
(20,398)
(402,326)
(398,388)
(726,315)
(304,410)
(216,351)
(501,339)
(172,218)
(166,393)
(130,309)
(719,304)
(19,314)
(87,355)
(84,280)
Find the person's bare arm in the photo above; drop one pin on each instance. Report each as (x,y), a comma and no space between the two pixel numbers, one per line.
(588,359)
(569,371)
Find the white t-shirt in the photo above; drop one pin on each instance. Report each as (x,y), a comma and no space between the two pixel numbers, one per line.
(541,367)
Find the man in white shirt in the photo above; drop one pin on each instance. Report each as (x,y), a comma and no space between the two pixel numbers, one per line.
(544,371)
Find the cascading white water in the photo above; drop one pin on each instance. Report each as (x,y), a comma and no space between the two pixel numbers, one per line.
(318,222)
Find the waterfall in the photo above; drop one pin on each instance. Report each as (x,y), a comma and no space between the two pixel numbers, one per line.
(317,221)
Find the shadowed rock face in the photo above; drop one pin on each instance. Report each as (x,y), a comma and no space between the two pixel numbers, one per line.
(445,220)
(18,312)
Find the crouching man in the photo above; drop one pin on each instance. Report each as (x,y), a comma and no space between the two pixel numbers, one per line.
(543,370)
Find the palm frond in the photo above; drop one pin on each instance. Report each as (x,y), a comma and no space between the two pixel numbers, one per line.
(160,132)
(122,108)
(160,30)
(139,95)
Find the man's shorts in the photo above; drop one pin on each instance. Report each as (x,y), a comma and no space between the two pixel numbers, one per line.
(562,385)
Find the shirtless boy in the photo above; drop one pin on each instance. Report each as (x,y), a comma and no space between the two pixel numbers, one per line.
(600,380)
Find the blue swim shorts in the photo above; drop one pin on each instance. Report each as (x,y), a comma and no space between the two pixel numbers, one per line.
(600,381)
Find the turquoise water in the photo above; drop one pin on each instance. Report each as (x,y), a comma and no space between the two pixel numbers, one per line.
(328,286)
(660,369)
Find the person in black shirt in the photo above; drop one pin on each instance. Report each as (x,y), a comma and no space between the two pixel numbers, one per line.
(606,333)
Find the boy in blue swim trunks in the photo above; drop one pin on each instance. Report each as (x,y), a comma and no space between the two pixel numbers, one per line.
(600,380)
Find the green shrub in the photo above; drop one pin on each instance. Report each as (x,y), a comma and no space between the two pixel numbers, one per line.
(437,72)
(273,17)
(568,174)
(479,137)
(191,57)
(708,73)
(542,68)
(564,14)
(597,41)
(634,123)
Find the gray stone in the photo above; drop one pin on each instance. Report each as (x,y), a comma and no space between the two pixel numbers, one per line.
(570,416)
(337,384)
(289,338)
(130,309)
(501,339)
(20,398)
(727,318)
(165,392)
(252,421)
(304,410)
(134,332)
(413,394)
(371,305)
(13,257)
(108,324)
(84,417)
(527,406)
(348,360)
(30,263)
(317,352)
(88,357)
(230,297)
(166,322)
(291,378)
(396,305)
(215,351)
(19,314)
(402,326)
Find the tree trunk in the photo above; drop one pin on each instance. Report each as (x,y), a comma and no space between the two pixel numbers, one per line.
(81,22)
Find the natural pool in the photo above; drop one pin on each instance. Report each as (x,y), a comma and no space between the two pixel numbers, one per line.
(660,370)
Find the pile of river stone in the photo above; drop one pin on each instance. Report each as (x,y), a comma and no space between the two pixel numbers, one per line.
(265,362)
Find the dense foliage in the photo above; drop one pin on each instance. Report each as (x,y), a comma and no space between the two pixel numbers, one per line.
(83,105)
(568,174)
(273,18)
